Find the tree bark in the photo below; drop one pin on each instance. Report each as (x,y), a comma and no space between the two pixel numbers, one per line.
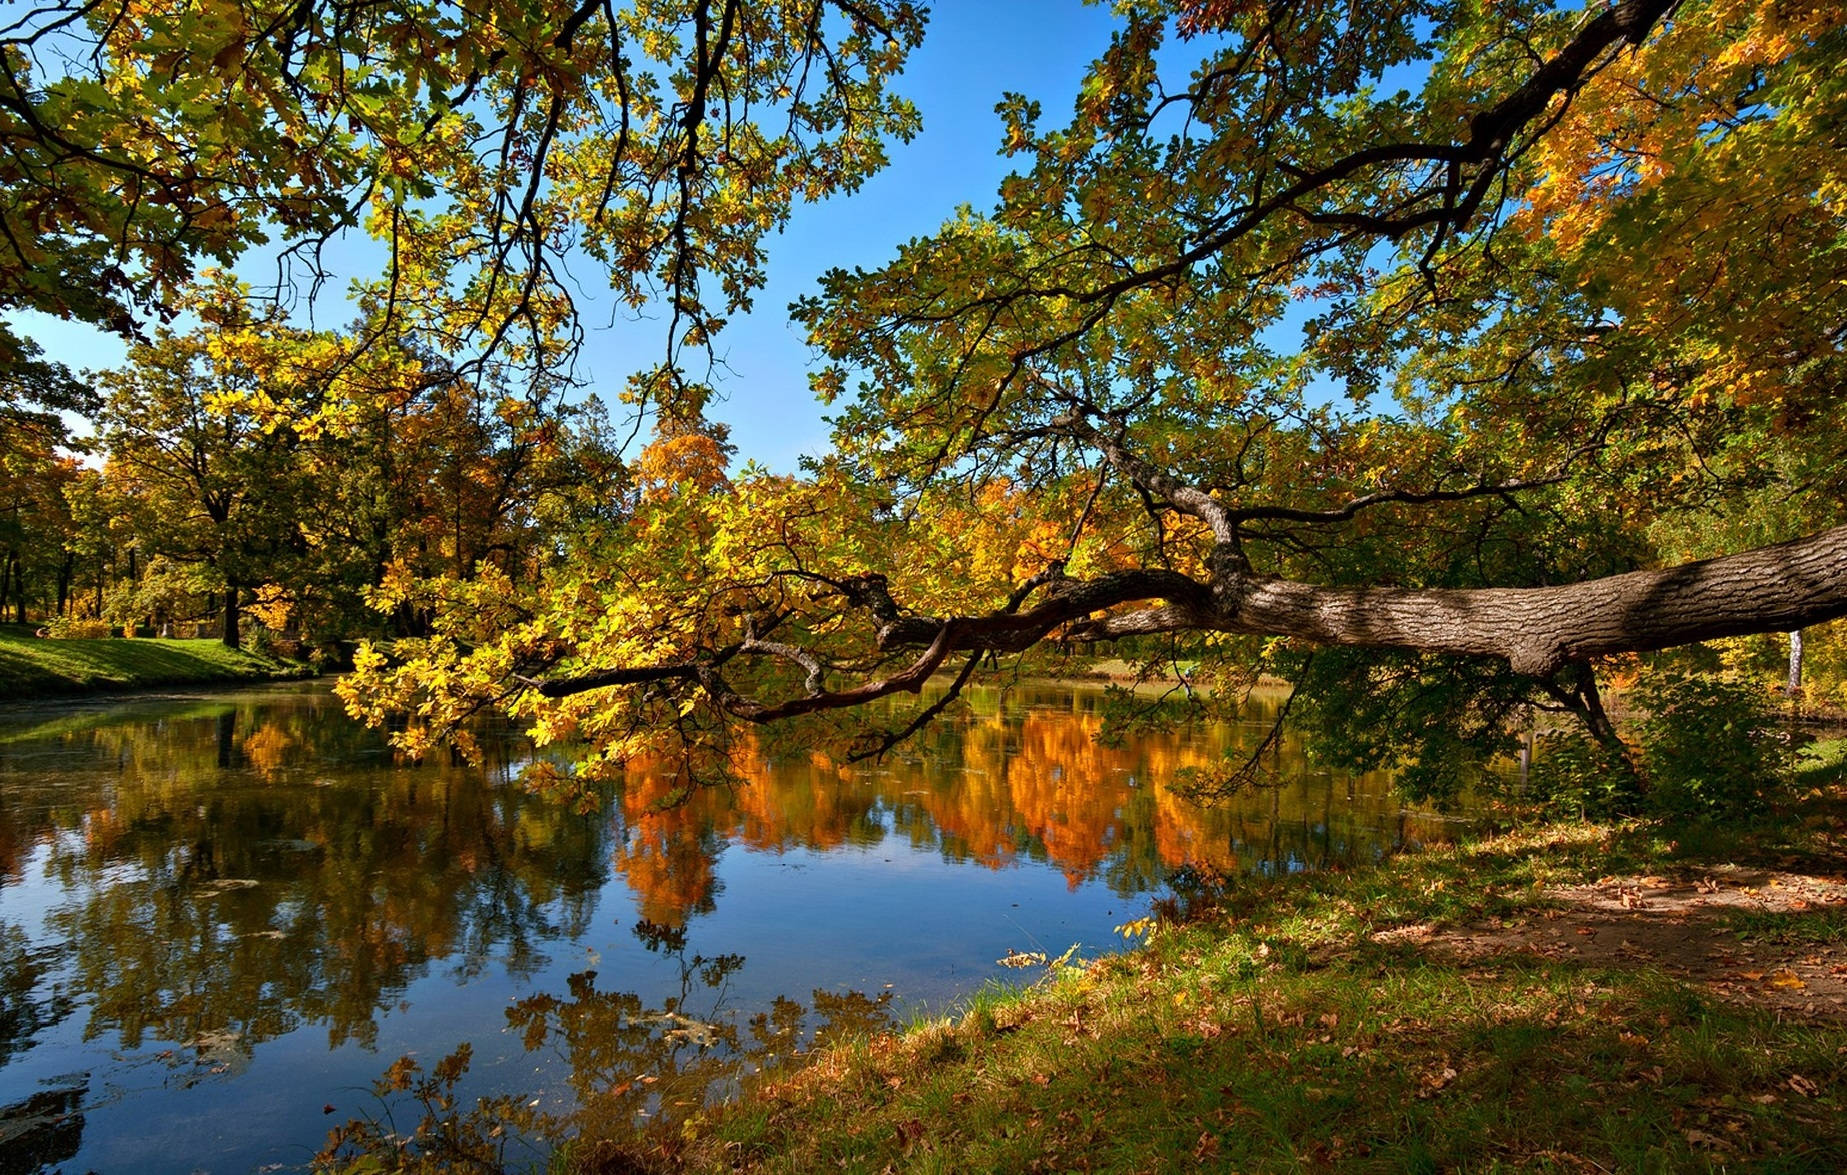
(1536,630)
(230,637)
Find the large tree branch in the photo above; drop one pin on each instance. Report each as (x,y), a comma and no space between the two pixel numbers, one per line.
(1536,630)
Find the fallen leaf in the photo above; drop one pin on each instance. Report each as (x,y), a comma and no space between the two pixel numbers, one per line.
(1787,980)
(1434,1081)
(1803,1085)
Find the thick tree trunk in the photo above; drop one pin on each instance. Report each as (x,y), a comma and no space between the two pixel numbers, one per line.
(1537,630)
(230,637)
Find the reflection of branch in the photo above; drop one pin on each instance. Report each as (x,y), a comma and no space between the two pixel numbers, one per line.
(891,739)
(1248,772)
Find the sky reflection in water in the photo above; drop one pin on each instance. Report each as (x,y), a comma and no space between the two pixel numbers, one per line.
(221,918)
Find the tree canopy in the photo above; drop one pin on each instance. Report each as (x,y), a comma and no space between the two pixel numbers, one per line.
(1416,351)
(483,146)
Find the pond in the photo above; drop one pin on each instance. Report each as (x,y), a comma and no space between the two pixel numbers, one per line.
(222,917)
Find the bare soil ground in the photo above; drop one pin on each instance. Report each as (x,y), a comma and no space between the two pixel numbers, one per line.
(1764,937)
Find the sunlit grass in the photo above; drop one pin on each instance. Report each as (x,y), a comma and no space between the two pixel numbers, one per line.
(33,667)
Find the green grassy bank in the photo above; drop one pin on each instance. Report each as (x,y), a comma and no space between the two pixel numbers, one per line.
(31,667)
(1567,998)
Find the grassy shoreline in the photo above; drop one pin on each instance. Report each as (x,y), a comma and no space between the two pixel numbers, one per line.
(33,668)
(1567,998)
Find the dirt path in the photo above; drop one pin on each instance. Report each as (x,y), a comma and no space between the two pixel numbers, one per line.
(1763,937)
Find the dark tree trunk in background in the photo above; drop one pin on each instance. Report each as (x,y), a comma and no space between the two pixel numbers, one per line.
(230,637)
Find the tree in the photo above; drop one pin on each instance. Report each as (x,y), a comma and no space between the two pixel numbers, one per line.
(1583,283)
(37,466)
(418,471)
(482,145)
(1408,328)
(201,455)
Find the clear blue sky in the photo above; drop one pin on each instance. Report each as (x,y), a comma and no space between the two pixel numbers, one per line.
(973,51)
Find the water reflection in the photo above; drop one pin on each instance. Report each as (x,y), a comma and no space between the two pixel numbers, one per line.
(201,902)
(630,1061)
(632,1066)
(1019,778)
(221,917)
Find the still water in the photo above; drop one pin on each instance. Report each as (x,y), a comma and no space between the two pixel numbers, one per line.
(222,917)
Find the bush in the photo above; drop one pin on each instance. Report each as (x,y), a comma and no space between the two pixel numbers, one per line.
(73,628)
(1575,775)
(1711,748)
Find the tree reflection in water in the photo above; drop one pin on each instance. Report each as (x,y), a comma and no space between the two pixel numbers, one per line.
(1021,777)
(639,1071)
(180,883)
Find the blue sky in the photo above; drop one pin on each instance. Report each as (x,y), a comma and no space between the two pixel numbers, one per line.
(973,51)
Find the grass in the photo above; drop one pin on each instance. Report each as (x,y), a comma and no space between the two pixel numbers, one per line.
(31,667)
(1283,1032)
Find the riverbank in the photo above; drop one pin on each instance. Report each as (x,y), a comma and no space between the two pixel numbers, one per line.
(32,667)
(1566,998)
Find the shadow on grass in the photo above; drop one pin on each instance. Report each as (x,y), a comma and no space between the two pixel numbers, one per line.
(31,667)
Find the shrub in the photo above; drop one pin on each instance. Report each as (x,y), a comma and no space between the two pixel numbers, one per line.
(1575,775)
(1711,749)
(75,628)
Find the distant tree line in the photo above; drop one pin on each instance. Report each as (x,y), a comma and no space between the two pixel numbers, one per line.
(246,476)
